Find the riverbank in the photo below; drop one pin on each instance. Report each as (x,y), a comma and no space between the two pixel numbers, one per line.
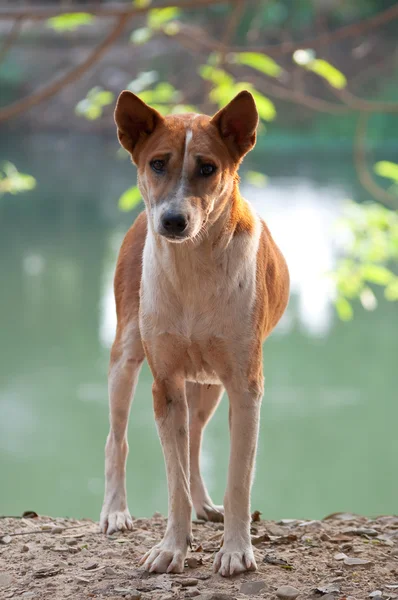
(341,557)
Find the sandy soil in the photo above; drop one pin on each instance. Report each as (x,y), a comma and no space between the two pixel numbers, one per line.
(42,557)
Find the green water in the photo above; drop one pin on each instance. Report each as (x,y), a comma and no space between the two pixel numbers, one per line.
(329,420)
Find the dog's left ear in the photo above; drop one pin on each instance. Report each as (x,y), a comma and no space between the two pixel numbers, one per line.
(237,123)
(135,120)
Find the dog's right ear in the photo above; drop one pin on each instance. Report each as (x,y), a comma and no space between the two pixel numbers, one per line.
(135,120)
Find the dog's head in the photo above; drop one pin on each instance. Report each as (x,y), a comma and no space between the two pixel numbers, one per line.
(186,163)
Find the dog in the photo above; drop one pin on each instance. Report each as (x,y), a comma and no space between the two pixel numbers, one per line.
(199,285)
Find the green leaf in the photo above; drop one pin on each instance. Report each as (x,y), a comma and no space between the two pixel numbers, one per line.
(129,199)
(377,274)
(391,291)
(321,67)
(140,36)
(387,169)
(14,182)
(266,108)
(257,179)
(91,106)
(69,21)
(160,16)
(216,76)
(163,93)
(141,3)
(260,62)
(171,28)
(344,309)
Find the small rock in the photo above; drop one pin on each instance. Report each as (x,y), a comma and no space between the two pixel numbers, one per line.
(5,579)
(358,562)
(362,531)
(328,588)
(193,562)
(63,564)
(287,592)
(340,556)
(275,529)
(71,542)
(376,594)
(157,515)
(192,593)
(109,571)
(5,539)
(90,566)
(189,582)
(28,594)
(131,592)
(215,596)
(46,572)
(82,580)
(251,588)
(25,548)
(57,529)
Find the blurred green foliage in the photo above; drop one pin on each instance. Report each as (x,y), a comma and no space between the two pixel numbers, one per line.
(14,182)
(69,21)
(93,104)
(371,233)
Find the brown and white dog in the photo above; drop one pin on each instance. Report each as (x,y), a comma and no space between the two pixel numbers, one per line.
(199,285)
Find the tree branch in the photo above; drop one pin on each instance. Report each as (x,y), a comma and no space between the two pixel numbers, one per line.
(112,9)
(10,38)
(325,38)
(19,106)
(364,175)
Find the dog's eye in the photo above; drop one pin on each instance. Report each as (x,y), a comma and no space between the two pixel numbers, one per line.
(207,170)
(158,165)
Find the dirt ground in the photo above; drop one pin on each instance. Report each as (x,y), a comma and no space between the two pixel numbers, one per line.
(341,557)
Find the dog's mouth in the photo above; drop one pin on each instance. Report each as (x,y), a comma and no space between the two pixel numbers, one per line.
(174,237)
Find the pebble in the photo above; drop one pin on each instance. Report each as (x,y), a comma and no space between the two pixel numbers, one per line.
(25,548)
(328,588)
(90,566)
(340,556)
(192,562)
(251,588)
(376,594)
(192,593)
(215,596)
(287,592)
(5,579)
(6,539)
(189,582)
(82,580)
(57,529)
(132,593)
(109,571)
(358,562)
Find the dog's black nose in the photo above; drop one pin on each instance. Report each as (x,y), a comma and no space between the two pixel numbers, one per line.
(174,223)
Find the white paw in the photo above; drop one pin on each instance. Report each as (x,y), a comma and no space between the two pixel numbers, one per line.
(165,557)
(210,512)
(115,520)
(232,559)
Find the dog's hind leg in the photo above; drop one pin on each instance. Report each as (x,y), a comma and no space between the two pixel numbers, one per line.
(202,402)
(126,359)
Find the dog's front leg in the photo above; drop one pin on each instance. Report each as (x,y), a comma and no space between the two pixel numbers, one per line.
(171,413)
(236,554)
